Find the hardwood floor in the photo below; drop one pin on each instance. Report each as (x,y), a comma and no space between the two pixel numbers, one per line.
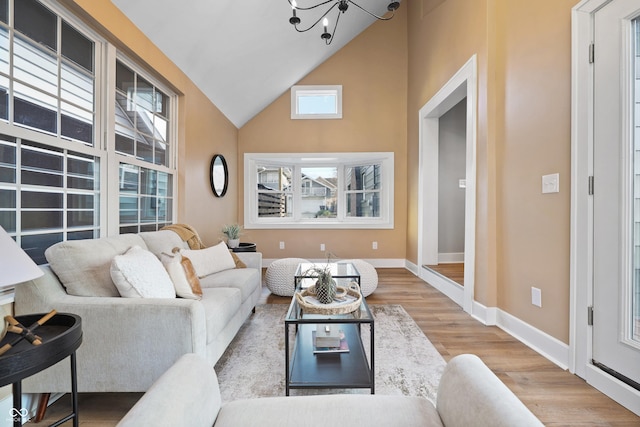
(557,397)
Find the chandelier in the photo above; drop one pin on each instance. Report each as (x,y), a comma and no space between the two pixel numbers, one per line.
(342,6)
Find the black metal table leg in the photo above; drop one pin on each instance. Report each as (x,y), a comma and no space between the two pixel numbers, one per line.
(16,411)
(286,358)
(74,390)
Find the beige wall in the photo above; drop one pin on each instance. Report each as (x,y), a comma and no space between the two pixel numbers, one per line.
(372,70)
(534,227)
(523,51)
(203,129)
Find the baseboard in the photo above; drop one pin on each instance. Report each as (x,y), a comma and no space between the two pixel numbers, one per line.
(544,344)
(454,291)
(547,346)
(485,315)
(450,258)
(412,267)
(376,262)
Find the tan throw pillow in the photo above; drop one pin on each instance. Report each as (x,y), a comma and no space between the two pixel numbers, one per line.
(237,260)
(210,260)
(183,275)
(139,274)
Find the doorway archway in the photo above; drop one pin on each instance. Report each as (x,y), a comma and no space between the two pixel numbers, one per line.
(462,85)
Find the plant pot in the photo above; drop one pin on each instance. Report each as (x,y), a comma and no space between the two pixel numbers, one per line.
(233,243)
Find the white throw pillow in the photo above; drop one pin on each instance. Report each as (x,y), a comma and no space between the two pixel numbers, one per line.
(210,260)
(139,274)
(185,286)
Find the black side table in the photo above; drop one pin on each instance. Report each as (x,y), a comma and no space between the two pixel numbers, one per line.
(61,337)
(245,247)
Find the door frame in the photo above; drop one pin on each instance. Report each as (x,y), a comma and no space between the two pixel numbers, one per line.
(462,85)
(581,240)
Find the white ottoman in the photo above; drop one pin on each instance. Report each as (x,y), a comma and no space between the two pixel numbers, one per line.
(280,274)
(368,276)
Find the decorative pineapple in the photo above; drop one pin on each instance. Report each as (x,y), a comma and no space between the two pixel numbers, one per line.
(325,287)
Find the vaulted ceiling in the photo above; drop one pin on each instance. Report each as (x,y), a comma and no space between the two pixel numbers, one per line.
(242,54)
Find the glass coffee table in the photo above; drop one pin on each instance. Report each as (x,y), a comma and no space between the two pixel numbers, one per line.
(303,277)
(306,368)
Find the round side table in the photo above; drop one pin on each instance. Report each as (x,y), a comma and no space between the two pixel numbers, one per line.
(61,337)
(245,247)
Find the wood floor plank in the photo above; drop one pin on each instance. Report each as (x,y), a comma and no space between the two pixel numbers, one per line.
(554,395)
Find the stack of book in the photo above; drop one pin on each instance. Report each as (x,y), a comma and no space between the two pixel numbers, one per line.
(329,339)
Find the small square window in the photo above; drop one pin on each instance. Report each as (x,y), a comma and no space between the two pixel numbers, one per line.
(316,102)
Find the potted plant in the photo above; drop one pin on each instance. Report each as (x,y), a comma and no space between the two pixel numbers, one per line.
(233,233)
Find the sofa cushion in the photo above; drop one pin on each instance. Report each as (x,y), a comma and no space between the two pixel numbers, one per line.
(244,279)
(162,241)
(330,410)
(83,266)
(139,274)
(183,275)
(210,260)
(220,305)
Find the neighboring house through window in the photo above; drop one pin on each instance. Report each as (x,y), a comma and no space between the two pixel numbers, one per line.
(321,190)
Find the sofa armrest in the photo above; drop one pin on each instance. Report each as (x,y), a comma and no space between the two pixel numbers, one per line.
(251,259)
(469,393)
(186,395)
(139,338)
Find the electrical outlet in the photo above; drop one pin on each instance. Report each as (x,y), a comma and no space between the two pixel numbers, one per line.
(536,297)
(322,247)
(374,245)
(281,245)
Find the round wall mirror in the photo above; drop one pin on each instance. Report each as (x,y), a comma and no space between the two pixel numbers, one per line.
(219,175)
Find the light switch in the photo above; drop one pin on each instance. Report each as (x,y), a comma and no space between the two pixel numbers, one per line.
(462,183)
(551,183)
(536,296)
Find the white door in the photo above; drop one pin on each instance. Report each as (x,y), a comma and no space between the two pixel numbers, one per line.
(616,200)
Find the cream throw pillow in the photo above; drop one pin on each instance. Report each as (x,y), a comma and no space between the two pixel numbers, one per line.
(186,285)
(139,274)
(210,260)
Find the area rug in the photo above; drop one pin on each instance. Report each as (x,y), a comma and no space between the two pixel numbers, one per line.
(406,363)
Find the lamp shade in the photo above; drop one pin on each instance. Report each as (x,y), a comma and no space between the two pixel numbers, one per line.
(15,265)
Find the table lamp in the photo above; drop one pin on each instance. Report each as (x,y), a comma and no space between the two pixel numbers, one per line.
(15,267)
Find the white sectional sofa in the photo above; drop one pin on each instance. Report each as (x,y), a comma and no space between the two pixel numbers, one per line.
(469,394)
(128,343)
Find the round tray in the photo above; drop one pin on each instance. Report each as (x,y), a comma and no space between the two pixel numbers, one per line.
(331,308)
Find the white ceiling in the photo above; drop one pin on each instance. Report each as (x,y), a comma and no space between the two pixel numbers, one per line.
(242,54)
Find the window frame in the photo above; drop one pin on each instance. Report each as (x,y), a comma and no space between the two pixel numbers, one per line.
(102,148)
(252,161)
(116,158)
(318,90)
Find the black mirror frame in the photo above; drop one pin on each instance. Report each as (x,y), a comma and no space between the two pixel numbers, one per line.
(217,191)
